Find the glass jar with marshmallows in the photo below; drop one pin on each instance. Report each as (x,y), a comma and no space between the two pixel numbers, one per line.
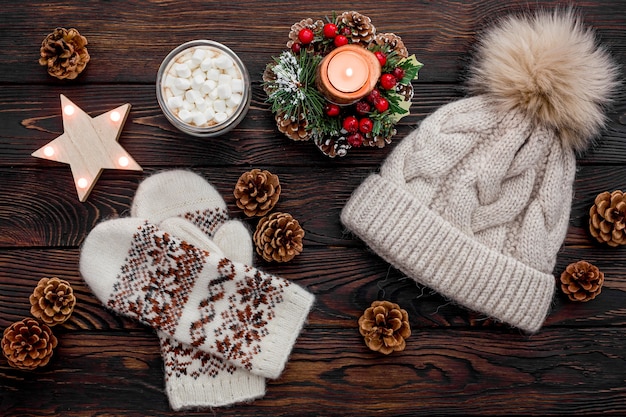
(203,88)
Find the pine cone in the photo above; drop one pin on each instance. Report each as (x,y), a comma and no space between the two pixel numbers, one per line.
(52,301)
(268,77)
(385,326)
(278,237)
(378,141)
(28,344)
(64,53)
(607,218)
(582,281)
(332,146)
(361,28)
(315,26)
(393,41)
(405,90)
(293,129)
(257,192)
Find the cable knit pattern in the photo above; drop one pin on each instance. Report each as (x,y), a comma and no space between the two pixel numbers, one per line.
(474,204)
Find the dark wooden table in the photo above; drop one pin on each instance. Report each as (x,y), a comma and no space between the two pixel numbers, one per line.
(456,362)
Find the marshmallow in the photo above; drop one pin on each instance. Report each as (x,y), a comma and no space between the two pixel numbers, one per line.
(182,70)
(175,102)
(182,84)
(220,117)
(203,86)
(223,91)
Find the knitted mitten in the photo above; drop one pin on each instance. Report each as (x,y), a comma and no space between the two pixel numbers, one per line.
(194,378)
(242,315)
(179,193)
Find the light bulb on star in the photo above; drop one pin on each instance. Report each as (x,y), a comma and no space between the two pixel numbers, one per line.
(89,145)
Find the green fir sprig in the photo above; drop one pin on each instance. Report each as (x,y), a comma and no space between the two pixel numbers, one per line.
(293,91)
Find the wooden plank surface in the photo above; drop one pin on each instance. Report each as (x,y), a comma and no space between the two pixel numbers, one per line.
(456,363)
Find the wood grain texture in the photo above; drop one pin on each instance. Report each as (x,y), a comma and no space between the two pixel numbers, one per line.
(457,362)
(444,373)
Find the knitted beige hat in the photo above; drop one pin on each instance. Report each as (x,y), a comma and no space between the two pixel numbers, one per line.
(475,203)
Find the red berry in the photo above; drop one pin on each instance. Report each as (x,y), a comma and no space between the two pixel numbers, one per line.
(373,96)
(388,81)
(306,36)
(346,31)
(340,40)
(398,73)
(362,108)
(351,124)
(330,30)
(355,139)
(381,104)
(296,47)
(382,58)
(331,109)
(366,125)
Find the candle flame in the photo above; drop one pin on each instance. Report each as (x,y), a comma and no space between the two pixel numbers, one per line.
(349,72)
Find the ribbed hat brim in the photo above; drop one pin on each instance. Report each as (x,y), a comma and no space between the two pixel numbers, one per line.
(435,253)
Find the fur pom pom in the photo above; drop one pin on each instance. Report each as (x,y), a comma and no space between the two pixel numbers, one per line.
(550,67)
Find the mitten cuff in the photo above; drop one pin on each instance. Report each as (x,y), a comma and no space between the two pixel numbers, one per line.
(185,392)
(283,330)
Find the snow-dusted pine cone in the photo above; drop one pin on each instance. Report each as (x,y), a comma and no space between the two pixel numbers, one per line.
(361,28)
(293,129)
(332,146)
(393,41)
(314,25)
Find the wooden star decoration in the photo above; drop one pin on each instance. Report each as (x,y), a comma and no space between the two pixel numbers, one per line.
(89,145)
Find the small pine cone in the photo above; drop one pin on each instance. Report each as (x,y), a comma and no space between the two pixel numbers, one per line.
(28,344)
(64,53)
(52,301)
(361,27)
(333,146)
(607,218)
(278,237)
(377,141)
(293,129)
(582,281)
(385,326)
(268,77)
(405,90)
(316,26)
(257,192)
(393,41)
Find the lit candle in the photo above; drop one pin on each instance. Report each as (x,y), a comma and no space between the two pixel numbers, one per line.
(347,74)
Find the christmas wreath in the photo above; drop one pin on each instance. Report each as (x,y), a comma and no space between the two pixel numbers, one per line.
(300,107)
